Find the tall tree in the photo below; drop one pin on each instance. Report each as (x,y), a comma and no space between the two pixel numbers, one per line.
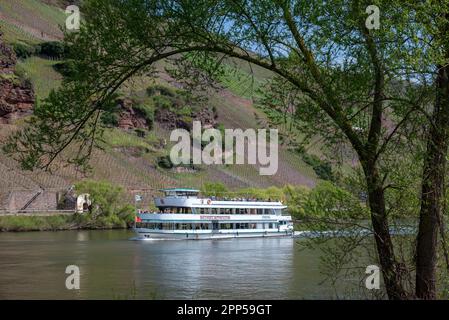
(347,75)
(435,161)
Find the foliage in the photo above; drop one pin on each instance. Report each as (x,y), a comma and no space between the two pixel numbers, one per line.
(110,119)
(41,74)
(329,201)
(296,197)
(52,49)
(60,222)
(140,133)
(179,102)
(35,223)
(361,90)
(165,162)
(108,201)
(216,189)
(66,68)
(23,50)
(147,112)
(156,90)
(323,169)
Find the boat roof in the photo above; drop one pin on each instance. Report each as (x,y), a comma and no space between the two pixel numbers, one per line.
(180,190)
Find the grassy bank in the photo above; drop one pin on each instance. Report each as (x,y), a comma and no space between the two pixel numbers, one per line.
(59,222)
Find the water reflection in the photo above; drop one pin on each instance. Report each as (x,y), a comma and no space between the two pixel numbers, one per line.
(112,266)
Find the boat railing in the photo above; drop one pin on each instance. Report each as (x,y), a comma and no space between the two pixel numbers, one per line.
(214,198)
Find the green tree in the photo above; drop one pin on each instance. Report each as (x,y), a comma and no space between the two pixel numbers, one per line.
(331,202)
(347,79)
(216,189)
(108,200)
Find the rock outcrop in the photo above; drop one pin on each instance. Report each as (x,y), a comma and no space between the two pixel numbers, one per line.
(169,120)
(16,95)
(130,118)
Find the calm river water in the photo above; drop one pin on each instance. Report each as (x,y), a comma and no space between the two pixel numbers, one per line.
(32,266)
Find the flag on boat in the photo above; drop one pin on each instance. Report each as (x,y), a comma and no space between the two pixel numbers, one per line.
(138,219)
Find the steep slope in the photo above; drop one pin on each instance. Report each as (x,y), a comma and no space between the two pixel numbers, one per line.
(129,159)
(30,20)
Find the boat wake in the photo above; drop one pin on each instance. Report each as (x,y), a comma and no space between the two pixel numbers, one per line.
(152,239)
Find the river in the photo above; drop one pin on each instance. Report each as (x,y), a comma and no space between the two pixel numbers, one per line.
(33,264)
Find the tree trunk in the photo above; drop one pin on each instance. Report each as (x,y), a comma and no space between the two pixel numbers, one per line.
(390,271)
(432,194)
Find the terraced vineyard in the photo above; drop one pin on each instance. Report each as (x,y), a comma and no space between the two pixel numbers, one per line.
(127,159)
(41,73)
(35,19)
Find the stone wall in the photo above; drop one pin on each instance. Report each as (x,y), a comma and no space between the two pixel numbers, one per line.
(16,200)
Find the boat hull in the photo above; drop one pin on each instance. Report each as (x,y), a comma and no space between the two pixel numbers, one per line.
(179,235)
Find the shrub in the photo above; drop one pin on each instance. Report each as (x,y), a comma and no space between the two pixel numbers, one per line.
(296,199)
(53,49)
(66,68)
(217,189)
(160,90)
(165,162)
(322,168)
(147,112)
(330,201)
(163,102)
(110,119)
(23,50)
(107,199)
(140,133)
(271,193)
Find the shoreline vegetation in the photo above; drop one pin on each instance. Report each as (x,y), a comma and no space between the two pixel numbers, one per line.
(110,209)
(60,223)
(325,207)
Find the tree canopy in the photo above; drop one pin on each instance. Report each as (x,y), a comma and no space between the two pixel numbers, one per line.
(373,90)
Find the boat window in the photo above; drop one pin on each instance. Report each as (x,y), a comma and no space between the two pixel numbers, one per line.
(253,226)
(259,211)
(166,226)
(226,226)
(270,226)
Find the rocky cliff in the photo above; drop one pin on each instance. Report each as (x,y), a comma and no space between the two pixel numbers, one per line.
(16,95)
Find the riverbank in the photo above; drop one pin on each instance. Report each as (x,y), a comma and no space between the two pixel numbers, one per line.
(60,222)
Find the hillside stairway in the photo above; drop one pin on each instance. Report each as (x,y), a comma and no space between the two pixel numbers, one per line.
(31,201)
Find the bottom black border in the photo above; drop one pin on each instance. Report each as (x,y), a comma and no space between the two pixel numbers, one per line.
(171,309)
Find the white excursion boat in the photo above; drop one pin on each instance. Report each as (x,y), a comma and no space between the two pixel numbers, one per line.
(185,215)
